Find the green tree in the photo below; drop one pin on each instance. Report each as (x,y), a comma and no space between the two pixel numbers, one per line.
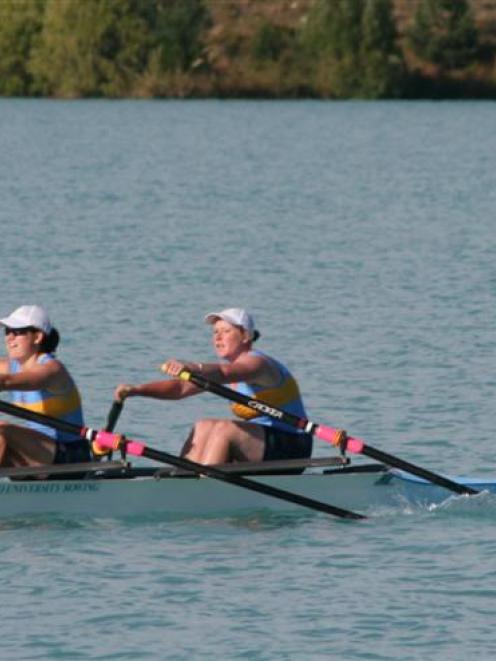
(444,33)
(378,26)
(178,28)
(103,47)
(20,24)
(270,41)
(354,43)
(331,44)
(333,28)
(89,48)
(383,68)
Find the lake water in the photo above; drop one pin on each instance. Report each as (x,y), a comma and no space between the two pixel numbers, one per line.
(362,237)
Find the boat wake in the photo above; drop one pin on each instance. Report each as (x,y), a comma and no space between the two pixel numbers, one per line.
(482,505)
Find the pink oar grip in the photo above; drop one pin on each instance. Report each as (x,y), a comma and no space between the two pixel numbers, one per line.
(135,448)
(354,445)
(107,439)
(329,435)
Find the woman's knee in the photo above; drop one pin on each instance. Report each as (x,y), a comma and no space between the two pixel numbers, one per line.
(225,427)
(204,426)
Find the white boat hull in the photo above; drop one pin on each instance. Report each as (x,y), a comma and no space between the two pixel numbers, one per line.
(185,496)
(360,491)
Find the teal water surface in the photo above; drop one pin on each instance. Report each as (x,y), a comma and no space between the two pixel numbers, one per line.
(361,236)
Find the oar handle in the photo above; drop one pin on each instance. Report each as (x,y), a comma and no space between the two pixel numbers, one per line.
(113,415)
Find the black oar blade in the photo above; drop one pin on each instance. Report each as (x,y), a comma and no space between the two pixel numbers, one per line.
(396,462)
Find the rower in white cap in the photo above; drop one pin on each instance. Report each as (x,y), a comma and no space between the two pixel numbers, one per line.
(251,436)
(37,381)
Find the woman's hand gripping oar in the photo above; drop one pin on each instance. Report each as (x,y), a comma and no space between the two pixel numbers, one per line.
(336,437)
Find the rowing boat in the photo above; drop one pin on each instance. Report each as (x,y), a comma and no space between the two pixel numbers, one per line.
(118,490)
(127,491)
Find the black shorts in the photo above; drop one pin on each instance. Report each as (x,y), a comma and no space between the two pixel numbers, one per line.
(73,452)
(281,444)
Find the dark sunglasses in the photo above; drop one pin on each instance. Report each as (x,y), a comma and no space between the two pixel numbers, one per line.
(19,331)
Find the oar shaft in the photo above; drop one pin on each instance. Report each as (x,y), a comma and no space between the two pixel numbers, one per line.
(328,434)
(256,405)
(265,489)
(357,446)
(26,414)
(106,439)
(137,448)
(442,481)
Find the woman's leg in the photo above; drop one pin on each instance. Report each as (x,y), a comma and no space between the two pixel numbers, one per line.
(220,441)
(194,447)
(22,446)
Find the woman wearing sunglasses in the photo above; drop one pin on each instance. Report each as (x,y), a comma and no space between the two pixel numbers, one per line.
(37,381)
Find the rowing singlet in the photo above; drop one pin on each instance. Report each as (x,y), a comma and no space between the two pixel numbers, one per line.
(65,405)
(285,395)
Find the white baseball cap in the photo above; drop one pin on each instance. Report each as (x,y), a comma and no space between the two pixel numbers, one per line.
(237,317)
(28,315)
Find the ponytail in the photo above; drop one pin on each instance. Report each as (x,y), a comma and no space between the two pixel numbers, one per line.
(50,341)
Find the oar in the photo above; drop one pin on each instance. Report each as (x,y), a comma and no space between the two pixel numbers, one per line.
(112,417)
(115,441)
(26,414)
(111,441)
(328,434)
